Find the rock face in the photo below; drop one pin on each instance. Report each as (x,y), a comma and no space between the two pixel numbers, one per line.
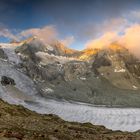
(2,54)
(18,123)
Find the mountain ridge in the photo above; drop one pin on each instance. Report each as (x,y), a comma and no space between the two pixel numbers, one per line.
(72,78)
(108,76)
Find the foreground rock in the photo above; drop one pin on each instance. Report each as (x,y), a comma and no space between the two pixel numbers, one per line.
(18,123)
(7,81)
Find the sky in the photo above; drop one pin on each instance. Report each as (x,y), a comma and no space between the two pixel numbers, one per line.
(74,22)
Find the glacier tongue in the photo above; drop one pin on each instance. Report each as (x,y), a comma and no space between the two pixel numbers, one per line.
(125,119)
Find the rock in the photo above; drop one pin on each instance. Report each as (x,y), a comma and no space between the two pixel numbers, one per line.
(2,54)
(101,61)
(7,81)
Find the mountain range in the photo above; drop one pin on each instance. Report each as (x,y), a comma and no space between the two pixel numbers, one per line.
(109,76)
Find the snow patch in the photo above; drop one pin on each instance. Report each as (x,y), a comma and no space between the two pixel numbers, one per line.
(48,90)
(135,87)
(119,70)
(51,58)
(82,78)
(50,48)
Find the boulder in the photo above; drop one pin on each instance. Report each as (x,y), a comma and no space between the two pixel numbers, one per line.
(7,81)
(2,54)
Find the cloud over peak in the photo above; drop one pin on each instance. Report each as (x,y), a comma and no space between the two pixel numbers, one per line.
(46,34)
(129,39)
(6,33)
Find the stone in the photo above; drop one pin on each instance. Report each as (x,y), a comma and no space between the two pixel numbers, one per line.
(7,81)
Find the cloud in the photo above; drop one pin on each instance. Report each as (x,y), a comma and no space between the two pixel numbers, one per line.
(115,24)
(132,16)
(130,39)
(103,41)
(125,31)
(135,14)
(93,30)
(46,34)
(5,32)
(68,41)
